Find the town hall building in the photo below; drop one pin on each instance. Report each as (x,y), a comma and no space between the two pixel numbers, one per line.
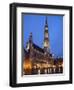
(39,60)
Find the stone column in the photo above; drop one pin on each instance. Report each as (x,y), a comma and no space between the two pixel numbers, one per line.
(50,70)
(39,71)
(54,69)
(45,71)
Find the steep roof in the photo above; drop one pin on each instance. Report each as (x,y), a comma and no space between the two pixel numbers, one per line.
(38,48)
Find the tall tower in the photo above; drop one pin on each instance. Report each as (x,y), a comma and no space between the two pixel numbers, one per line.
(30,38)
(30,42)
(46,37)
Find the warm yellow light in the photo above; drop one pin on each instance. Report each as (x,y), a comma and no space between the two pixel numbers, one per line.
(54,66)
(34,67)
(60,65)
(49,65)
(27,64)
(38,65)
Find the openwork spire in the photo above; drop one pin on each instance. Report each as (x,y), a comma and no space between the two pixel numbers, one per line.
(46,20)
(30,37)
(46,36)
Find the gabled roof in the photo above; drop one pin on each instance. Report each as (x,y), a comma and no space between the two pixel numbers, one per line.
(38,48)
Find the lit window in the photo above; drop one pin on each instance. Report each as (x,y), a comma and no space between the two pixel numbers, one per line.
(46,34)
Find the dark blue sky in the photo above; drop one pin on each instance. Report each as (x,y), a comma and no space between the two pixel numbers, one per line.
(35,24)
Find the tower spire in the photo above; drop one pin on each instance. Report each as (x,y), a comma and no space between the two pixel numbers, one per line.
(46,36)
(30,38)
(29,43)
(46,20)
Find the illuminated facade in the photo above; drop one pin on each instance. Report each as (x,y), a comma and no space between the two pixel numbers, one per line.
(39,60)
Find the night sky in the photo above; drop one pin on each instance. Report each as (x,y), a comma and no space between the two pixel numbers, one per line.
(35,24)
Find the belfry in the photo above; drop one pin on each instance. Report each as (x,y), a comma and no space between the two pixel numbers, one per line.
(46,37)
